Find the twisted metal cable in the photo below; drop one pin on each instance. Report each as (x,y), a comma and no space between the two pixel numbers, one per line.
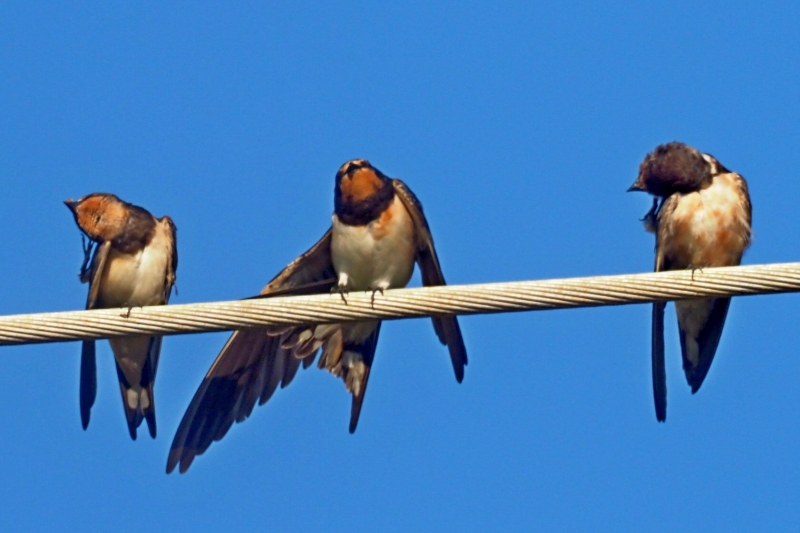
(402,303)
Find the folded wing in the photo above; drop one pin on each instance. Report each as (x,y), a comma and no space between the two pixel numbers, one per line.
(446,326)
(88,384)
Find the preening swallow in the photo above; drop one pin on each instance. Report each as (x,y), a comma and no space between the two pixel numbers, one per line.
(133,264)
(702,220)
(379,231)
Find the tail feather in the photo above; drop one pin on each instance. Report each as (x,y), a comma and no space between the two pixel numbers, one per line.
(356,369)
(88,386)
(130,403)
(705,345)
(148,381)
(657,358)
(449,333)
(138,400)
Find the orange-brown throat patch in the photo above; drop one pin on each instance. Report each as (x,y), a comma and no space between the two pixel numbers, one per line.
(360,185)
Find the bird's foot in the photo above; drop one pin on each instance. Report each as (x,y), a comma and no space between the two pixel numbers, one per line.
(341,290)
(372,299)
(693,268)
(128,313)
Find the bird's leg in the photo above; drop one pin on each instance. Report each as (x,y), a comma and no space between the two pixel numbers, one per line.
(341,287)
(372,299)
(128,314)
(693,268)
(342,291)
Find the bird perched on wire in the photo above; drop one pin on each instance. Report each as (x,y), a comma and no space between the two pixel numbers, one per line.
(701,217)
(130,261)
(379,231)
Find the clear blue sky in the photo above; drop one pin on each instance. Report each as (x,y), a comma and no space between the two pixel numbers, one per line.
(520,128)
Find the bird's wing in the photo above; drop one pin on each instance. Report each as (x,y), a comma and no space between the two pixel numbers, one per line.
(657,354)
(446,326)
(250,366)
(655,217)
(172,265)
(88,379)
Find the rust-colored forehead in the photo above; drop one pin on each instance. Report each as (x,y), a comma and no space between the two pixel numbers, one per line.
(100,216)
(93,202)
(352,166)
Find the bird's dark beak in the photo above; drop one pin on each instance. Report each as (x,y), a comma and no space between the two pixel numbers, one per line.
(638,185)
(72,204)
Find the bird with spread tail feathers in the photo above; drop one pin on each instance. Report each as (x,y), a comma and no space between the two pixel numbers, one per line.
(702,220)
(130,261)
(379,231)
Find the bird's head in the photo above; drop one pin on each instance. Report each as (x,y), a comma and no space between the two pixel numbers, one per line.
(98,215)
(361,191)
(673,167)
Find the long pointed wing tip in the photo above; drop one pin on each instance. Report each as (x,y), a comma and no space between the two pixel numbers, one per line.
(150,418)
(696,380)
(355,414)
(172,459)
(178,457)
(459,361)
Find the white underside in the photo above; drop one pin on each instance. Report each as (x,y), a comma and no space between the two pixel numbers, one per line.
(134,280)
(375,256)
(379,255)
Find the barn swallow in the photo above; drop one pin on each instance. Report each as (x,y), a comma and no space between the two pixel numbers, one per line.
(379,231)
(702,220)
(133,265)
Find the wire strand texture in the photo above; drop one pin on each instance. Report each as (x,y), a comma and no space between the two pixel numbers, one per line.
(401,303)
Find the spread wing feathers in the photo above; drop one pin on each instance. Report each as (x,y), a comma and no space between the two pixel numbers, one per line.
(88,384)
(252,363)
(707,342)
(313,266)
(657,354)
(141,393)
(446,326)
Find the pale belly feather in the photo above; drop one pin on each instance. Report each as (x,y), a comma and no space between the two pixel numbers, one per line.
(133,280)
(708,227)
(377,255)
